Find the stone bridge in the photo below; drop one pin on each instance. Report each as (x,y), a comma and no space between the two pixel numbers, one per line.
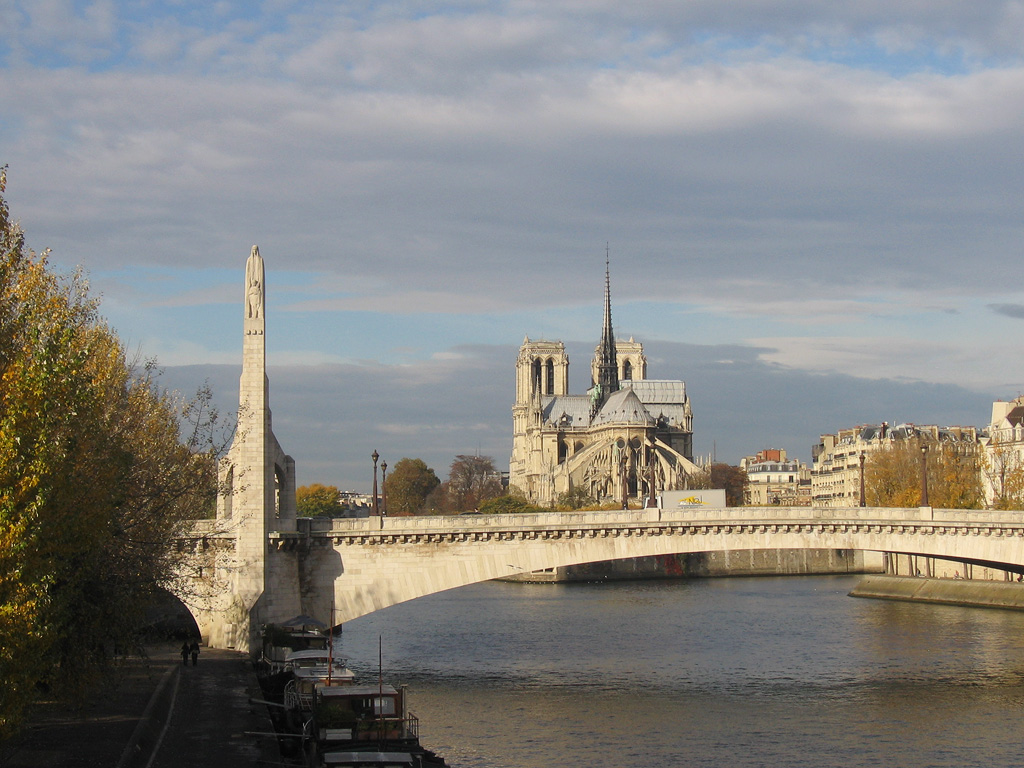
(363,565)
(257,562)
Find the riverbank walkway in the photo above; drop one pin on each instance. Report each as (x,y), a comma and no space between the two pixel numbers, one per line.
(155,713)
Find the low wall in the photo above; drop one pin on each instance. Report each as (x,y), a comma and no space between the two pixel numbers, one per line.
(985,594)
(748,562)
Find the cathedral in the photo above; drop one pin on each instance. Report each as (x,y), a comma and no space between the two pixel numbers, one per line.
(627,438)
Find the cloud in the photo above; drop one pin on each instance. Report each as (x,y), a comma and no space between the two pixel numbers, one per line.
(816,191)
(331,417)
(891,357)
(1009,310)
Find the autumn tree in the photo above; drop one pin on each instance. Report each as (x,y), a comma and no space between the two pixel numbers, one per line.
(408,486)
(723,476)
(892,475)
(318,500)
(100,471)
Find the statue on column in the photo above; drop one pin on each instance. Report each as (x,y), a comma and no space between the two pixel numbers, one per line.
(254,285)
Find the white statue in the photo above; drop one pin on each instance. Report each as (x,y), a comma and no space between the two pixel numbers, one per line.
(254,284)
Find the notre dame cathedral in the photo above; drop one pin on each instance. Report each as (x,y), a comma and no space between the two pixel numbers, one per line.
(627,438)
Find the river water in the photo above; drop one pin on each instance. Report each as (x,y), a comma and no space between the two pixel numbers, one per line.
(710,672)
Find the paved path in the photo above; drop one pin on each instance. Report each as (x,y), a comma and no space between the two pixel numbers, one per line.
(155,713)
(212,721)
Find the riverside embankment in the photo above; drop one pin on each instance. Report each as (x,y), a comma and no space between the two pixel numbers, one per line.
(153,711)
(981,594)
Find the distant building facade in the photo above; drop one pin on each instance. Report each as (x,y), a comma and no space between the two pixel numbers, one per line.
(1003,463)
(626,437)
(837,460)
(775,479)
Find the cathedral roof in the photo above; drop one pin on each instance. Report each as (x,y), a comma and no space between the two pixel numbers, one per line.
(624,407)
(567,410)
(658,391)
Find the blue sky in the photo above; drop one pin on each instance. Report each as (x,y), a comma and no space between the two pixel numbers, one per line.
(813,207)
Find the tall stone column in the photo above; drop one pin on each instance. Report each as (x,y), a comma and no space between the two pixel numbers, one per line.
(250,453)
(257,496)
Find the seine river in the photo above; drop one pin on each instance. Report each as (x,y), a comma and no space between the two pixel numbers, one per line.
(715,672)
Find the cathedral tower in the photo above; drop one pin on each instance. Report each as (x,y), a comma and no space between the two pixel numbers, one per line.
(606,364)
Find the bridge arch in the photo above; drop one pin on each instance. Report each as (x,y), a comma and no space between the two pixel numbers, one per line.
(366,565)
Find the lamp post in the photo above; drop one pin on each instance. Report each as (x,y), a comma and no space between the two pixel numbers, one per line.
(383,489)
(376,507)
(924,475)
(863,503)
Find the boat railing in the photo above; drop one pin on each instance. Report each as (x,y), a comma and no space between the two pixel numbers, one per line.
(294,698)
(386,727)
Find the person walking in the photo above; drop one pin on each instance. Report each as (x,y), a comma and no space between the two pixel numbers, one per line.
(184,653)
(194,650)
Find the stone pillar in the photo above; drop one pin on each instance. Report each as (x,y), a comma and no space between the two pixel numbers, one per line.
(257,497)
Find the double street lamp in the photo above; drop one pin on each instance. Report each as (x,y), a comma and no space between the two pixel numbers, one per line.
(863,502)
(924,475)
(376,508)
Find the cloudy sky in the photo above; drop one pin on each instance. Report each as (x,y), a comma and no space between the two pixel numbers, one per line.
(813,209)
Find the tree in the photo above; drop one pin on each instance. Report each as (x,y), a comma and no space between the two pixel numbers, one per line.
(409,485)
(732,479)
(577,498)
(472,480)
(96,479)
(954,477)
(318,500)
(507,505)
(892,476)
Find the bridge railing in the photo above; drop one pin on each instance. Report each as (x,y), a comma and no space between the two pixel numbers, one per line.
(690,514)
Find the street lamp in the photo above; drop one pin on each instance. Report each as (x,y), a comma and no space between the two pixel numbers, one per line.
(863,503)
(924,475)
(383,489)
(376,508)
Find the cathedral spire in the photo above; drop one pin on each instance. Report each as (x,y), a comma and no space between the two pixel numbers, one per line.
(607,361)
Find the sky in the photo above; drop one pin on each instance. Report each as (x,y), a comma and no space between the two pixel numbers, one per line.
(812,209)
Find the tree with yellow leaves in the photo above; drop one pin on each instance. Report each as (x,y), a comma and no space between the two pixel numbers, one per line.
(892,475)
(95,479)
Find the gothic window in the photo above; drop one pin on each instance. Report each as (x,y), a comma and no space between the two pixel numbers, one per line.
(627,370)
(536,375)
(550,388)
(563,449)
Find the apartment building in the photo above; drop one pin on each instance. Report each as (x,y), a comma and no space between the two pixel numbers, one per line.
(775,479)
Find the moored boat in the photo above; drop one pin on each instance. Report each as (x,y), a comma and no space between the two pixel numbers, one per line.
(364,725)
(306,670)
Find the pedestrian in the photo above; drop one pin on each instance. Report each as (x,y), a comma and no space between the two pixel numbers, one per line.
(194,650)
(184,652)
